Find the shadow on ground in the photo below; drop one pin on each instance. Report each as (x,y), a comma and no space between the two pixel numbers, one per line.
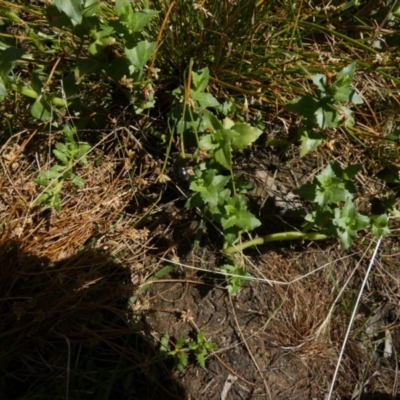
(67,331)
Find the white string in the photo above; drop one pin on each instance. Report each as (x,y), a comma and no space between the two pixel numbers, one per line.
(352,318)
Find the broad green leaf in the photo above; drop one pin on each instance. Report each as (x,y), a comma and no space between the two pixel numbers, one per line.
(326,116)
(227,123)
(347,94)
(223,155)
(140,54)
(242,219)
(123,9)
(3,90)
(305,106)
(209,121)
(200,79)
(71,8)
(204,99)
(140,19)
(41,109)
(247,135)
(380,226)
(90,7)
(310,140)
(8,58)
(346,75)
(320,81)
(349,172)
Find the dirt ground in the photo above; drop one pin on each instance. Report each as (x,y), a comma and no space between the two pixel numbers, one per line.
(280,337)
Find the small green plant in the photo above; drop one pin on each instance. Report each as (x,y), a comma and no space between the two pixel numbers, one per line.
(237,276)
(213,184)
(327,108)
(182,349)
(68,154)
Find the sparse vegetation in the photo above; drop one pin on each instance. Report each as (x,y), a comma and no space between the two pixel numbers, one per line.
(145,145)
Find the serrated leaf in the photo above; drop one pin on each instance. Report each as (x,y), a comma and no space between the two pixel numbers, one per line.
(247,135)
(61,156)
(71,8)
(348,221)
(201,359)
(242,219)
(140,54)
(310,140)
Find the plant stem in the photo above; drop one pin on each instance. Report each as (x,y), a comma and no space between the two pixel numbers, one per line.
(276,237)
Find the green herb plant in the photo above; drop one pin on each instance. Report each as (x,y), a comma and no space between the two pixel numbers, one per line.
(68,154)
(325,109)
(331,193)
(182,349)
(202,121)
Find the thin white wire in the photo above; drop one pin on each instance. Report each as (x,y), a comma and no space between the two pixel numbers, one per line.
(352,318)
(257,279)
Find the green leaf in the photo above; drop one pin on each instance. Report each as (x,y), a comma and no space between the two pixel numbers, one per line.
(48,175)
(305,106)
(90,7)
(140,54)
(204,99)
(346,75)
(77,181)
(61,156)
(82,150)
(8,58)
(3,90)
(242,219)
(347,95)
(71,8)
(200,357)
(41,109)
(326,116)
(348,221)
(310,140)
(380,226)
(209,121)
(320,81)
(200,79)
(140,19)
(223,155)
(123,9)
(247,135)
